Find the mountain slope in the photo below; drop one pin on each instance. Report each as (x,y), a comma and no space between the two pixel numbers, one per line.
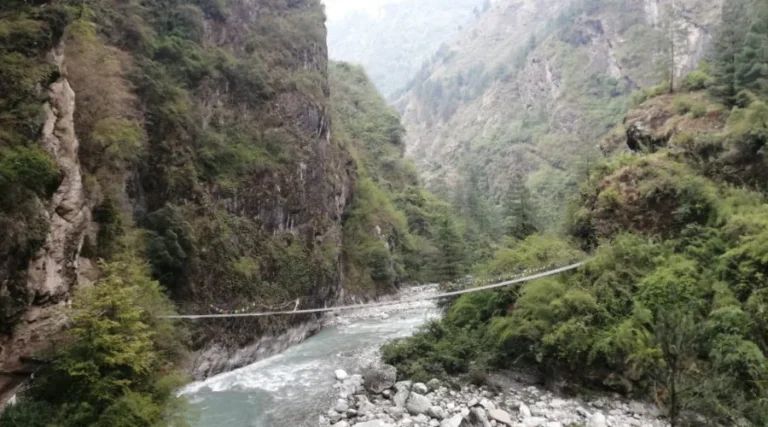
(530,86)
(392,42)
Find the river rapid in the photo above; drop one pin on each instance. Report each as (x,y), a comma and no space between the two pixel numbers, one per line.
(293,387)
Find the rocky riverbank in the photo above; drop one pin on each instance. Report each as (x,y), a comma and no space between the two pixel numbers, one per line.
(376,400)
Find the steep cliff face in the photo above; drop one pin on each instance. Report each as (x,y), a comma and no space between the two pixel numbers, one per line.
(55,267)
(202,128)
(531,85)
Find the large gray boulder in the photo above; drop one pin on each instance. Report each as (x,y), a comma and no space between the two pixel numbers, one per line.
(380,378)
(417,404)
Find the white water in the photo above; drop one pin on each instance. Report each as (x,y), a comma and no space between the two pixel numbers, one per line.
(292,388)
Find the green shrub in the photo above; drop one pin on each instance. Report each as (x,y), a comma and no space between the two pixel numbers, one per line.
(698,80)
(25,172)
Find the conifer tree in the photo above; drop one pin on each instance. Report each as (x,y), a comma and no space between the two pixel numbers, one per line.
(728,44)
(519,209)
(450,264)
(752,60)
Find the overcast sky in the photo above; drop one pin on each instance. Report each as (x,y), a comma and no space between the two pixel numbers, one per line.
(337,8)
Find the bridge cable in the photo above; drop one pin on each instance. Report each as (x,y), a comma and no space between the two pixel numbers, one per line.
(380,304)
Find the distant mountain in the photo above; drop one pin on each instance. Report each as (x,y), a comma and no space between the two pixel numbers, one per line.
(393,41)
(531,87)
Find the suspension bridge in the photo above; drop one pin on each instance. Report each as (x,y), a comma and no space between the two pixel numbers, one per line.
(381,304)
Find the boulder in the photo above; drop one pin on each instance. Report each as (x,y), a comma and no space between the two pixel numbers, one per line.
(420,388)
(500,416)
(341,406)
(487,404)
(597,420)
(417,404)
(454,421)
(380,378)
(400,398)
(403,385)
(433,384)
(341,424)
(535,422)
(436,412)
(524,411)
(374,423)
(341,374)
(475,418)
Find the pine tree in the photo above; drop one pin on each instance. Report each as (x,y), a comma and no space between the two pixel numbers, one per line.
(450,265)
(519,210)
(728,44)
(673,40)
(752,60)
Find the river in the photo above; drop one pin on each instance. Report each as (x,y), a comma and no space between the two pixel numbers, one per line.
(292,388)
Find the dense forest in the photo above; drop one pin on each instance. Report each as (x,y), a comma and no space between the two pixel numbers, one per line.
(671,303)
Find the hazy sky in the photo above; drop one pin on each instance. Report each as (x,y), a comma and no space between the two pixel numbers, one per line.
(337,8)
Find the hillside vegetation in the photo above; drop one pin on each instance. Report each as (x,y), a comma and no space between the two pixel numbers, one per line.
(671,304)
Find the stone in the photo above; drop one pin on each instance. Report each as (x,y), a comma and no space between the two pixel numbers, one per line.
(476,418)
(554,424)
(341,374)
(386,393)
(380,378)
(433,384)
(434,423)
(597,420)
(334,417)
(421,419)
(400,398)
(403,385)
(436,412)
(535,422)
(454,421)
(500,416)
(420,388)
(341,406)
(487,404)
(417,404)
(342,424)
(374,423)
(557,403)
(395,412)
(523,411)
(351,413)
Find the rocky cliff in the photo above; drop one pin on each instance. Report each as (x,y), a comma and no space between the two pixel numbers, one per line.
(532,84)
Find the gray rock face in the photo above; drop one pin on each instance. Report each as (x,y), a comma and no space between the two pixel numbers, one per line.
(417,404)
(380,378)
